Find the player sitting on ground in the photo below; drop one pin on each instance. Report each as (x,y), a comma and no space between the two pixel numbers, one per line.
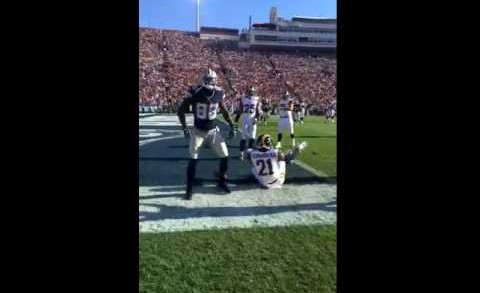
(205,101)
(249,109)
(269,164)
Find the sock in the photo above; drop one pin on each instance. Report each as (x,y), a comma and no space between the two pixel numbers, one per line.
(191,173)
(223,169)
(242,145)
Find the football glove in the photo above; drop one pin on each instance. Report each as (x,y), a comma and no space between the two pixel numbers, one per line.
(233,132)
(186,133)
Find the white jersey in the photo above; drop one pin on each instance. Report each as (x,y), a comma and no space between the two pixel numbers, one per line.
(303,106)
(283,108)
(249,126)
(269,171)
(250,105)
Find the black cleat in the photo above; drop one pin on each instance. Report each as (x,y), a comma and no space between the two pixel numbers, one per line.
(223,185)
(188,194)
(222,182)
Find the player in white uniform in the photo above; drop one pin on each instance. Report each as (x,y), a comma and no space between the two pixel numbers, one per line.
(266,108)
(269,164)
(331,112)
(249,111)
(297,111)
(285,121)
(303,107)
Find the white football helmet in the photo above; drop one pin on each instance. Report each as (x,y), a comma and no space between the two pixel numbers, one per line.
(251,91)
(210,79)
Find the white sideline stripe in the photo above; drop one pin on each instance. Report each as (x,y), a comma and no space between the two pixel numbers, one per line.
(203,197)
(251,200)
(151,134)
(147,141)
(156,130)
(215,223)
(306,167)
(161,121)
(164,121)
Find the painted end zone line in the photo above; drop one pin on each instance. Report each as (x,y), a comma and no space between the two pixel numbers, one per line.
(161,210)
(309,169)
(301,164)
(146,141)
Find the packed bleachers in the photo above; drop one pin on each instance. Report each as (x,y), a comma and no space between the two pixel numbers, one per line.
(172,61)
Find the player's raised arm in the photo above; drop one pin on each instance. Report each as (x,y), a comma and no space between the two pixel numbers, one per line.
(258,110)
(225,114)
(292,154)
(290,105)
(239,112)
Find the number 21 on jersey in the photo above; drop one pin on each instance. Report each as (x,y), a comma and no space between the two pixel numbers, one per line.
(262,171)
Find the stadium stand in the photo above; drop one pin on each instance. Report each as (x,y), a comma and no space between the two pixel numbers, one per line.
(172,61)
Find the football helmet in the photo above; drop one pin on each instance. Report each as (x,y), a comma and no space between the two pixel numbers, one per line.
(264,141)
(209,79)
(251,91)
(286,96)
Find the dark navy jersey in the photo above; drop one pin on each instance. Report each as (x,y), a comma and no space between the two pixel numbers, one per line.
(205,103)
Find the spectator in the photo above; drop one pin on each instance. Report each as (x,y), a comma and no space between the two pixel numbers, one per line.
(171,63)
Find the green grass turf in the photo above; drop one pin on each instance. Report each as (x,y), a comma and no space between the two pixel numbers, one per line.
(321,137)
(282,259)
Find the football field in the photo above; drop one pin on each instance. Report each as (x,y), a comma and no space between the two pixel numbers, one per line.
(272,240)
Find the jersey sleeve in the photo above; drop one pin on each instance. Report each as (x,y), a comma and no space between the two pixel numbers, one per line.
(249,153)
(185,106)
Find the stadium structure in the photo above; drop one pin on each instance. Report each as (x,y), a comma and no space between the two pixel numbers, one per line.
(301,32)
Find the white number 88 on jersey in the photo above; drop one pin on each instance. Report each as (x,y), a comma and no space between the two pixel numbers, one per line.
(202,112)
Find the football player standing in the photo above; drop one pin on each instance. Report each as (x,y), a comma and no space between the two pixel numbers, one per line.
(205,101)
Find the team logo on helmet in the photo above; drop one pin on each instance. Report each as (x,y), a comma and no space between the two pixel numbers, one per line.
(265,141)
(210,78)
(251,91)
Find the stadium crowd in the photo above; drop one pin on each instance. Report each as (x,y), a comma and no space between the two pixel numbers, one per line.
(172,62)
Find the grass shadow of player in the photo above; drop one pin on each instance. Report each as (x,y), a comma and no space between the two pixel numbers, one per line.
(179,212)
